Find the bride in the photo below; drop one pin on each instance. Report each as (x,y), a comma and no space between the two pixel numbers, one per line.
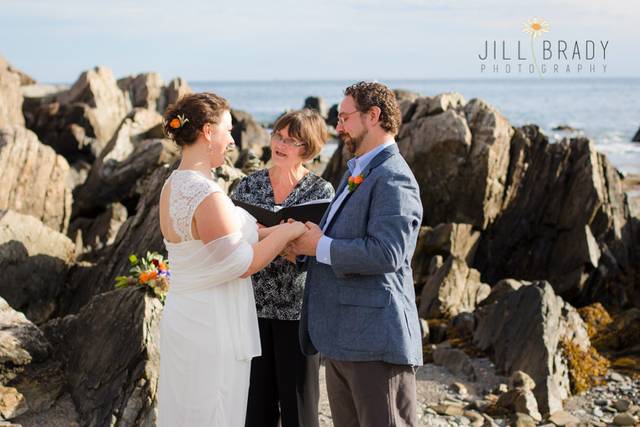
(209,328)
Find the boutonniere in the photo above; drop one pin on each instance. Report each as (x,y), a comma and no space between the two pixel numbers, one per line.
(354,182)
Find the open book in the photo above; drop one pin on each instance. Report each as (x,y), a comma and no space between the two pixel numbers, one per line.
(311,211)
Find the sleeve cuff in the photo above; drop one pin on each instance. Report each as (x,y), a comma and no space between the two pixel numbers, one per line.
(323,250)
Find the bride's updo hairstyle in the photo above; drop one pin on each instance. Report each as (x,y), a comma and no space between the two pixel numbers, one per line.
(183,121)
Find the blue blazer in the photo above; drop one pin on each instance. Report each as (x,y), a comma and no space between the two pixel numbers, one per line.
(362,307)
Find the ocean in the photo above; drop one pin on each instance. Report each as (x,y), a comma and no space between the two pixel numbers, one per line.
(605,110)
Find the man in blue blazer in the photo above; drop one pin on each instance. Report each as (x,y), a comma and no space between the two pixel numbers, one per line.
(359,306)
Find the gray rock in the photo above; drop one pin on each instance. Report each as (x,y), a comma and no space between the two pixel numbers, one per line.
(636,137)
(12,403)
(622,405)
(176,89)
(522,420)
(453,289)
(571,192)
(520,379)
(97,233)
(33,178)
(145,90)
(317,103)
(459,240)
(121,181)
(21,342)
(11,95)
(112,375)
(247,133)
(428,106)
(98,89)
(522,401)
(34,260)
(625,419)
(456,361)
(563,418)
(523,331)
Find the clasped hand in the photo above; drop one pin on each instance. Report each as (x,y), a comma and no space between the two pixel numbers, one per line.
(306,244)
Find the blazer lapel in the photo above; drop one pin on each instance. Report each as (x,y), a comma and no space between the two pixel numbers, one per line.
(375,162)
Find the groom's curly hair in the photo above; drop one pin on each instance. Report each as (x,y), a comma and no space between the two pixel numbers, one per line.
(371,94)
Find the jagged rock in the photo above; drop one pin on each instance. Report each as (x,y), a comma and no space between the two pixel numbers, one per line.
(524,331)
(317,103)
(99,232)
(502,288)
(406,101)
(337,165)
(522,420)
(459,157)
(521,380)
(455,361)
(36,96)
(522,401)
(68,129)
(463,324)
(332,116)
(145,90)
(130,133)
(636,137)
(459,240)
(114,181)
(61,414)
(33,178)
(228,177)
(34,260)
(12,403)
(247,133)
(248,161)
(11,96)
(112,375)
(175,90)
(99,90)
(454,288)
(428,106)
(140,233)
(565,219)
(21,342)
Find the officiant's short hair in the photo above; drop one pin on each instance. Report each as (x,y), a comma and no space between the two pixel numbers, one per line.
(305,125)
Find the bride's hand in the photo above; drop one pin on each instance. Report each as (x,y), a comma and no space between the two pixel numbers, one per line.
(295,229)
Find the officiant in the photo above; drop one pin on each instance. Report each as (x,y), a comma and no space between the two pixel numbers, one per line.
(284,382)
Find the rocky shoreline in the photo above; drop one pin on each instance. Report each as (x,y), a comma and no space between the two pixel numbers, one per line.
(526,271)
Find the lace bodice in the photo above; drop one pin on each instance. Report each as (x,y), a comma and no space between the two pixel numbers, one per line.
(188,189)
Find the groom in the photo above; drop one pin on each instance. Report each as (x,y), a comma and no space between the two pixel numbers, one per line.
(359,307)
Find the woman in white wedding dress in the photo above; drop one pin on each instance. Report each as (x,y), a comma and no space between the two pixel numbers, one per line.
(209,328)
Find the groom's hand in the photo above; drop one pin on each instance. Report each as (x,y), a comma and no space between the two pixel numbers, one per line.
(307,243)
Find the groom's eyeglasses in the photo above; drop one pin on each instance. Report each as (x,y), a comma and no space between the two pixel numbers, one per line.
(289,142)
(342,117)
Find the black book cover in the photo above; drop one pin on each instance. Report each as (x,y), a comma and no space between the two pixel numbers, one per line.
(306,212)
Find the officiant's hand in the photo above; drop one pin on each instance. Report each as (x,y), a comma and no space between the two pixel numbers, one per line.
(307,243)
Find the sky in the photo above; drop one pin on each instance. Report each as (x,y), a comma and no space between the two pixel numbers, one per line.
(304,40)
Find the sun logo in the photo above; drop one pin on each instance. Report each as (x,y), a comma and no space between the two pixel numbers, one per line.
(535,27)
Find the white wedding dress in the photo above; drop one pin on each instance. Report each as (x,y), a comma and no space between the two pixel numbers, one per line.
(209,328)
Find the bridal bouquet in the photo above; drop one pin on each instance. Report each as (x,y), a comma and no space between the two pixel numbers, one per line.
(151,272)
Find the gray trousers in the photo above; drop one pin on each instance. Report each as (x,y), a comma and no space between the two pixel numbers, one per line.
(371,394)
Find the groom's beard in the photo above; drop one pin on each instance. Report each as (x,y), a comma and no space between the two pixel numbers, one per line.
(353,142)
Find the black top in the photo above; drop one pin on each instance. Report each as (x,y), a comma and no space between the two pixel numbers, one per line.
(278,288)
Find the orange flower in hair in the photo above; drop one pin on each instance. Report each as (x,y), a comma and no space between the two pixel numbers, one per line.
(178,121)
